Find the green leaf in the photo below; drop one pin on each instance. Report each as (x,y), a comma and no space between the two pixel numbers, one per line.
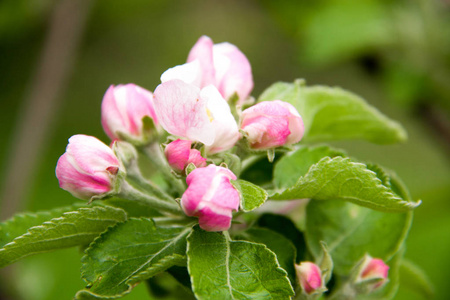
(415,279)
(371,18)
(287,228)
(128,253)
(225,269)
(326,263)
(74,228)
(335,114)
(252,196)
(350,231)
(285,91)
(20,223)
(341,179)
(297,163)
(283,248)
(134,209)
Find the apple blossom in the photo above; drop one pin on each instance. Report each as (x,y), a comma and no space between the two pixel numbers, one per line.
(179,154)
(272,124)
(309,276)
(222,65)
(211,197)
(87,168)
(197,115)
(123,108)
(374,272)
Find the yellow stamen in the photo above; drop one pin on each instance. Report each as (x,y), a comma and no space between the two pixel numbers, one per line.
(208,112)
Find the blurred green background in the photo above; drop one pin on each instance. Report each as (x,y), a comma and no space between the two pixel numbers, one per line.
(57,58)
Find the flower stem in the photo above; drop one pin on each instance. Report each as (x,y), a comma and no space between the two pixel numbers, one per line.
(129,192)
(154,153)
(148,186)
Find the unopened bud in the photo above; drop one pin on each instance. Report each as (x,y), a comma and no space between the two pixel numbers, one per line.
(179,155)
(373,274)
(88,168)
(310,277)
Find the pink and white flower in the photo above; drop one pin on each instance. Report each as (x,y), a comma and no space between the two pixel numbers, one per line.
(272,124)
(211,197)
(179,155)
(222,65)
(123,108)
(87,168)
(374,272)
(310,277)
(197,115)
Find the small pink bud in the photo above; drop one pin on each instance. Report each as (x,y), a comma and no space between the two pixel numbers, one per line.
(310,277)
(211,197)
(272,124)
(222,65)
(87,168)
(123,108)
(179,154)
(372,269)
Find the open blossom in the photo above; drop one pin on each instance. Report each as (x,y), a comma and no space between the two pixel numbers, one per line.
(123,108)
(272,124)
(179,154)
(309,276)
(222,65)
(211,197)
(197,115)
(373,268)
(87,168)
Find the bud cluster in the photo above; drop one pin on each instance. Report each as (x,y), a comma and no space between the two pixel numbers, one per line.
(194,104)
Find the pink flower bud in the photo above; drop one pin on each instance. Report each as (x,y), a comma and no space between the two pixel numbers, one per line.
(372,269)
(310,277)
(197,115)
(222,65)
(123,108)
(179,154)
(87,168)
(211,197)
(272,124)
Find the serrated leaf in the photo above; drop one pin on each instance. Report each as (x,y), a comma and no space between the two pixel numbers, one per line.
(350,231)
(73,228)
(283,248)
(415,279)
(128,253)
(225,269)
(252,196)
(342,179)
(20,223)
(335,114)
(297,163)
(381,174)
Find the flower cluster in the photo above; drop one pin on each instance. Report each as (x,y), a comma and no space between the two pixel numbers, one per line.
(197,103)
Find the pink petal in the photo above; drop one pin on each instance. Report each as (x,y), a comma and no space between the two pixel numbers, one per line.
(233,71)
(203,52)
(189,73)
(310,276)
(123,108)
(177,154)
(182,112)
(223,124)
(211,197)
